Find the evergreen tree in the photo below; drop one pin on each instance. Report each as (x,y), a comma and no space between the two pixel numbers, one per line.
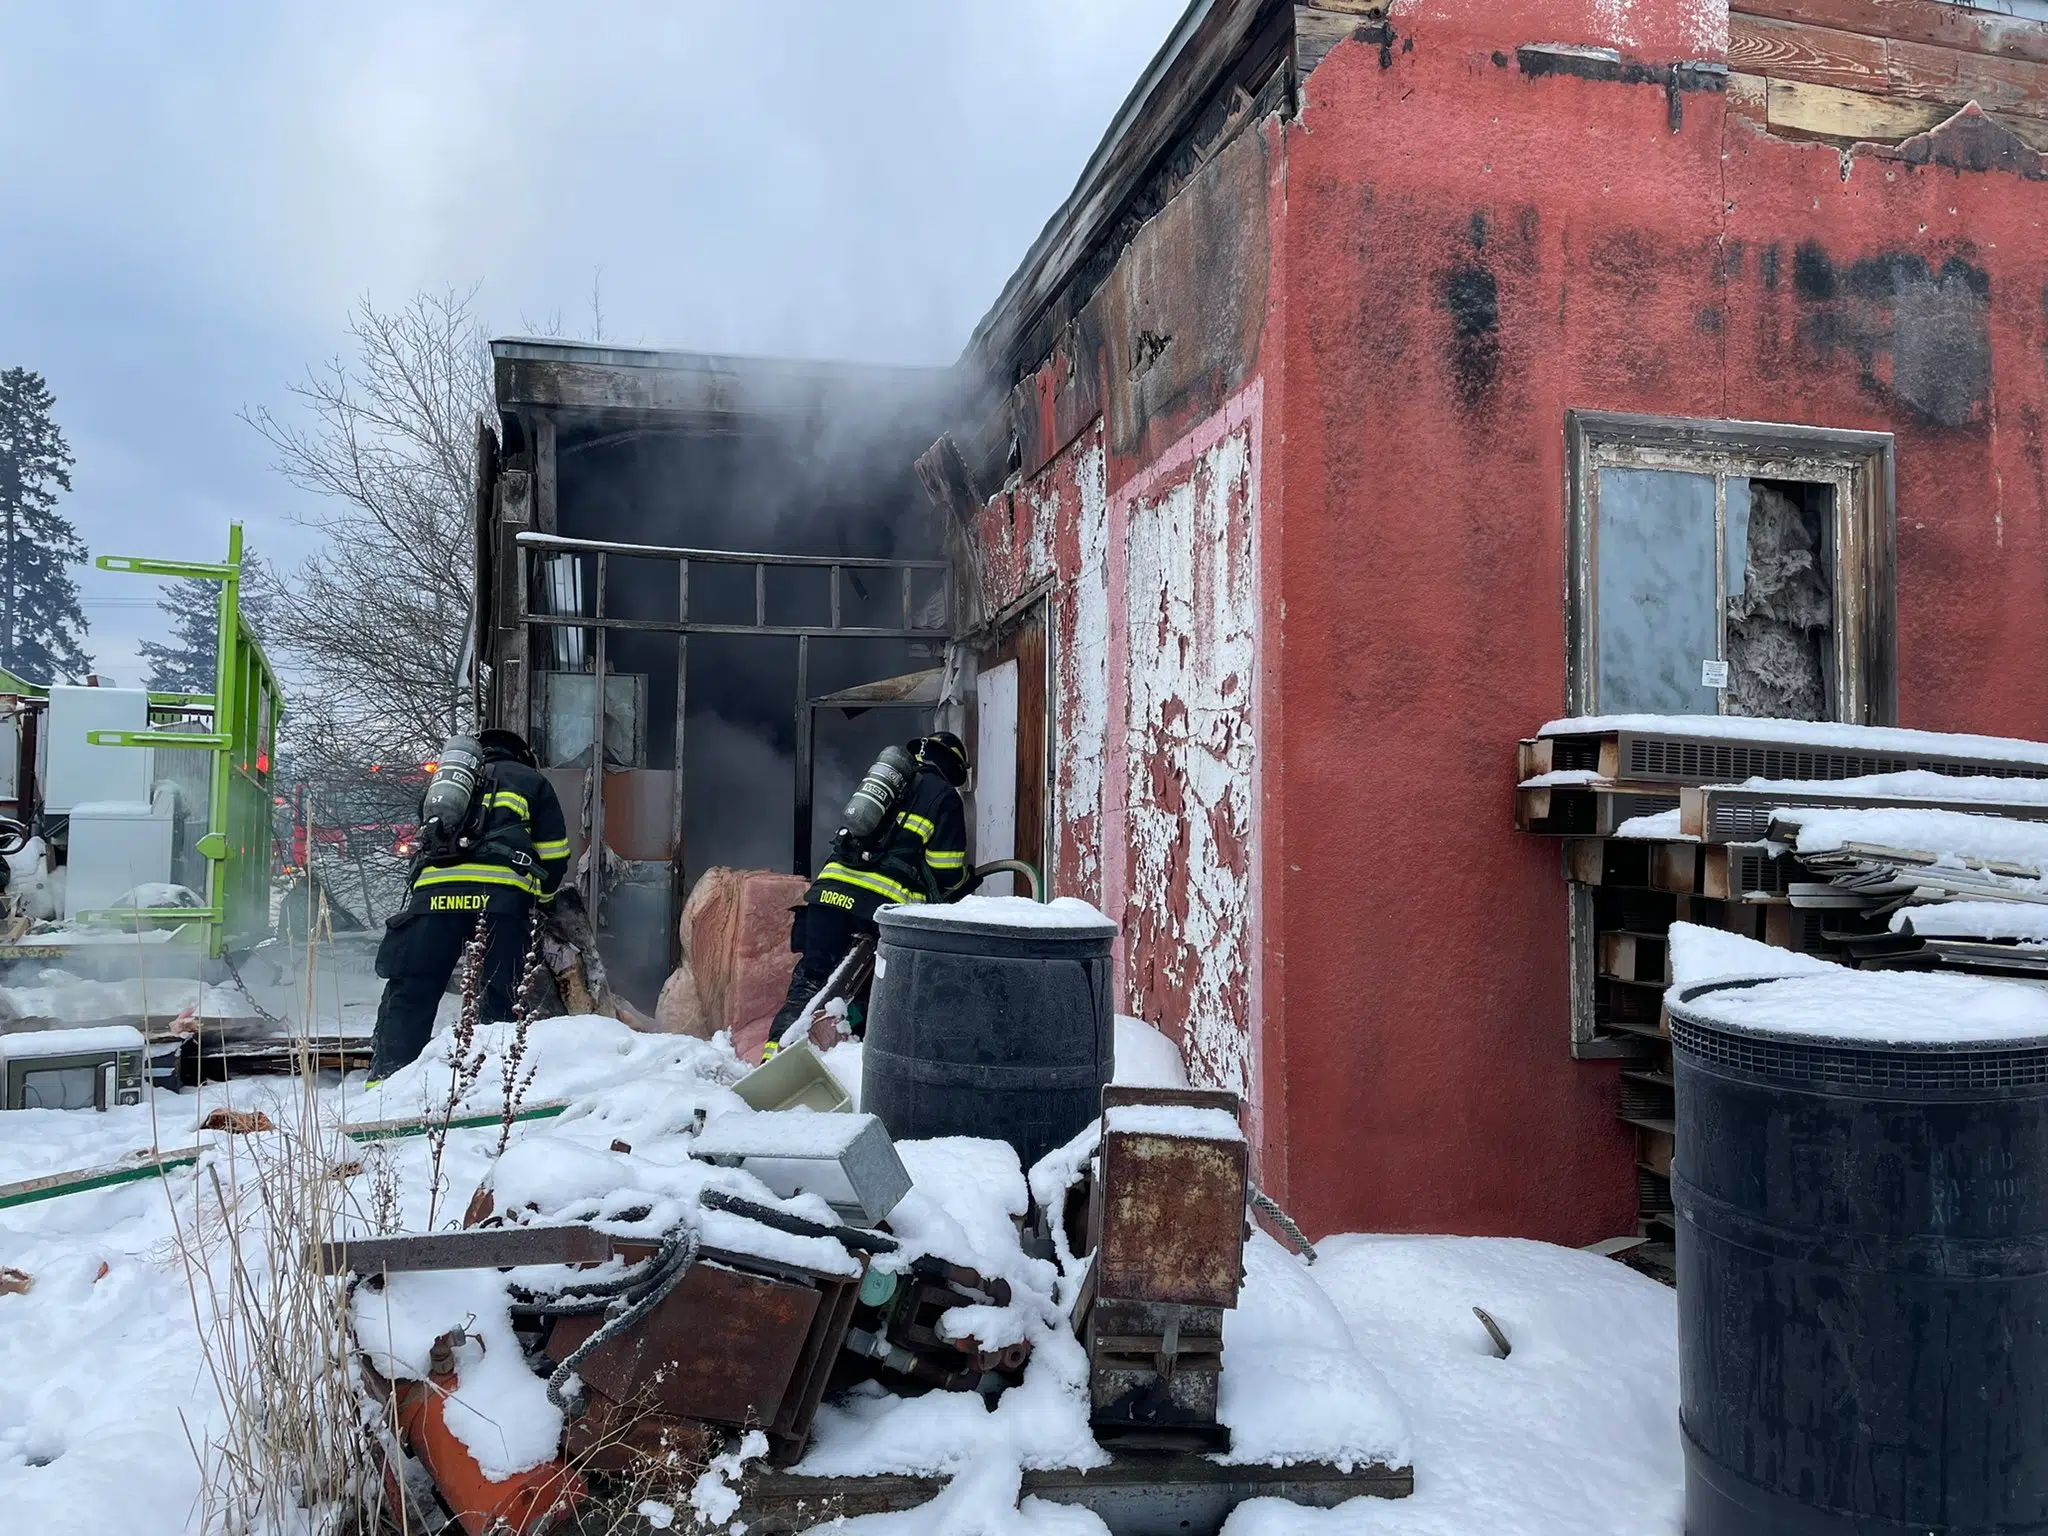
(184,663)
(42,627)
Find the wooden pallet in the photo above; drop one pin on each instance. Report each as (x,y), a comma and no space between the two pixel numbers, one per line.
(1588,809)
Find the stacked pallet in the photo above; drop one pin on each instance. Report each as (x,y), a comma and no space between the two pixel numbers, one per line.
(1718,821)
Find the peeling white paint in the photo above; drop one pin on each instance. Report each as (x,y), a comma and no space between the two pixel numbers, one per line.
(1191,620)
(1084,684)
(1616,21)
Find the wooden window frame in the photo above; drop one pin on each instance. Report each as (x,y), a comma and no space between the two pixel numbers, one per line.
(1858,464)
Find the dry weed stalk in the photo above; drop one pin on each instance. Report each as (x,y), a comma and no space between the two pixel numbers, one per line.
(295,1453)
(466,1059)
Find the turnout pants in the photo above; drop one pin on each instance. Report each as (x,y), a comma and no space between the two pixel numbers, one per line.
(821,936)
(419,958)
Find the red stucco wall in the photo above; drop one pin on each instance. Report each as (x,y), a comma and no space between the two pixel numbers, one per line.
(1416,978)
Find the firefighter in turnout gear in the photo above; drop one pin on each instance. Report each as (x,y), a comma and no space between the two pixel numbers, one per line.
(917,854)
(507,852)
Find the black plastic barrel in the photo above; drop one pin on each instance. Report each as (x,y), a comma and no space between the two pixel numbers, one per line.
(1862,1233)
(986,1029)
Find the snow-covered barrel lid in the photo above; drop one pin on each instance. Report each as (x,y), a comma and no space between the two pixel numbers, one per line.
(1912,1012)
(1067,921)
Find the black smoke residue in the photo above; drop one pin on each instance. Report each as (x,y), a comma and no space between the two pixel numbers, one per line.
(1920,335)
(1472,296)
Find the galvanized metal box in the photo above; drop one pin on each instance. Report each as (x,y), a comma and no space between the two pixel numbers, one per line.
(847,1159)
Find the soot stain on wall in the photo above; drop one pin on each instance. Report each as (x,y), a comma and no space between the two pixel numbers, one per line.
(1930,325)
(1471,296)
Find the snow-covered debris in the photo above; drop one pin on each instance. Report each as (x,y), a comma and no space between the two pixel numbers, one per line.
(154,894)
(2022,921)
(585,1057)
(782,1133)
(1810,733)
(1702,954)
(1659,827)
(963,1207)
(1882,1007)
(64,1042)
(498,1407)
(1559,778)
(1067,913)
(1950,836)
(1914,784)
(548,1179)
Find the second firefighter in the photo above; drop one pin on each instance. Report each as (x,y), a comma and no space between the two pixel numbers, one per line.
(917,852)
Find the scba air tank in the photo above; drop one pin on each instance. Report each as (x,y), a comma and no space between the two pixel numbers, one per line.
(877,793)
(445,806)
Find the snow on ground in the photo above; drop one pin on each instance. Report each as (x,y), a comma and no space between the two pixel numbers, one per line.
(1369,1355)
(1574,1434)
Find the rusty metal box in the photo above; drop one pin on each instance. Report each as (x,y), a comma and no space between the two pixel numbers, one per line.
(1168,1217)
(1153,1365)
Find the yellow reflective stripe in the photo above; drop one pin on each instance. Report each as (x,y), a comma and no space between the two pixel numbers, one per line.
(880,885)
(558,849)
(508,800)
(475,874)
(946,860)
(921,825)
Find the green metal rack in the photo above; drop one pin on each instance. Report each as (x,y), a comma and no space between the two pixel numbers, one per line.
(243,712)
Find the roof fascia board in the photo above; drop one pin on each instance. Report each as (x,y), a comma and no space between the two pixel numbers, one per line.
(1207,38)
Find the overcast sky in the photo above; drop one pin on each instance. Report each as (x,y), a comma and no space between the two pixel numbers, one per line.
(193,195)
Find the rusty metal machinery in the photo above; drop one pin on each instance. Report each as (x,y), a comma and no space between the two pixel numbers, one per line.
(1166,1224)
(689,1341)
(898,1333)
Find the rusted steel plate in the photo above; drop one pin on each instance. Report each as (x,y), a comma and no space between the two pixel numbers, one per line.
(791,1430)
(1171,1208)
(723,1346)
(471,1248)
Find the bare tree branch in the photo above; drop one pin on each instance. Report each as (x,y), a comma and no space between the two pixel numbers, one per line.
(370,628)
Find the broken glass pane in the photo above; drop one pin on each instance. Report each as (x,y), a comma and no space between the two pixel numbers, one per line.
(1781,615)
(1735,547)
(1655,588)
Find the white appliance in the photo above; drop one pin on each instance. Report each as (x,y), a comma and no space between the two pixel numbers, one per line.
(116,845)
(75,772)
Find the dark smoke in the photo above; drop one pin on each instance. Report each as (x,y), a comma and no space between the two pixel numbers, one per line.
(833,476)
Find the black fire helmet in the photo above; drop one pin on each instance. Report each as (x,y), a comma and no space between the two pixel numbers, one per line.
(947,753)
(505,743)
